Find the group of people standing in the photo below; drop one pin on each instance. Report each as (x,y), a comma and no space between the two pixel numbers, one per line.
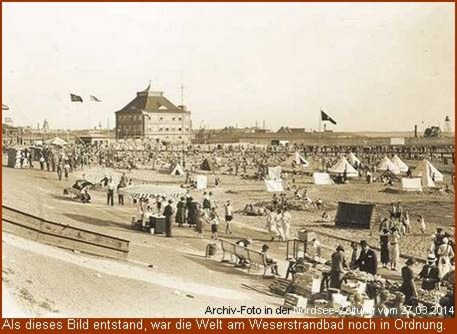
(195,214)
(278,224)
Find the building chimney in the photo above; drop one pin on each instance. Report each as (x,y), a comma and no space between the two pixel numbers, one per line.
(182,107)
(415,131)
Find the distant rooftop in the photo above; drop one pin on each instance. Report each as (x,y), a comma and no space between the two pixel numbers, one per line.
(151,101)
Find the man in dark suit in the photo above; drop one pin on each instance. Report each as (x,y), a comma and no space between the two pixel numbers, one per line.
(367,260)
(430,274)
(168,213)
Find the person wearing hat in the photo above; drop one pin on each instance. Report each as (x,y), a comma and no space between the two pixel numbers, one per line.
(445,253)
(338,267)
(244,243)
(367,260)
(269,260)
(429,274)
(168,212)
(228,216)
(408,286)
(181,212)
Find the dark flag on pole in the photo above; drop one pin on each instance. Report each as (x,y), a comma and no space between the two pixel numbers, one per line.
(93,98)
(5,107)
(326,117)
(76,98)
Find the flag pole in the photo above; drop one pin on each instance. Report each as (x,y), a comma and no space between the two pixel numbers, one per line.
(320,119)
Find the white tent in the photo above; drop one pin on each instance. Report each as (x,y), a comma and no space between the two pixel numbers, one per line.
(386,164)
(274,173)
(176,169)
(202,181)
(414,184)
(400,164)
(274,185)
(56,141)
(426,168)
(343,166)
(353,160)
(299,160)
(322,178)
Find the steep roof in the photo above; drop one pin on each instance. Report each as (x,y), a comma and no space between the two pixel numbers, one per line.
(386,164)
(341,166)
(151,101)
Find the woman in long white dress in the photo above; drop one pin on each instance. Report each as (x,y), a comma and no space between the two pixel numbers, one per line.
(444,253)
(279,226)
(286,220)
(271,225)
(394,250)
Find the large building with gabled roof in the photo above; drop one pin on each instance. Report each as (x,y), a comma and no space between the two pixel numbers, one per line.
(152,115)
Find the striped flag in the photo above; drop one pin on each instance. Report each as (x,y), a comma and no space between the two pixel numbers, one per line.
(76,98)
(5,107)
(93,98)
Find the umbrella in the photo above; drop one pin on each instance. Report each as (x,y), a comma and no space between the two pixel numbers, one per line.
(81,184)
(152,191)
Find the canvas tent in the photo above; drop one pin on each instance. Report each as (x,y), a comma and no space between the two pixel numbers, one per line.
(354,215)
(202,181)
(322,178)
(299,160)
(274,173)
(208,166)
(353,160)
(414,184)
(342,166)
(387,164)
(427,181)
(56,142)
(274,185)
(400,164)
(424,169)
(176,169)
(390,175)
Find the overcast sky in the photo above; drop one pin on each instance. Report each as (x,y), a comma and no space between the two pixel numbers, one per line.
(369,66)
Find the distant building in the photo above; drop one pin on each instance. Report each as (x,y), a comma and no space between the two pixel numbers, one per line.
(151,115)
(286,129)
(46,125)
(95,139)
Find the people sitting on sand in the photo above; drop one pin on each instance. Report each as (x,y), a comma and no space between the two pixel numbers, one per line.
(325,217)
(319,204)
(85,196)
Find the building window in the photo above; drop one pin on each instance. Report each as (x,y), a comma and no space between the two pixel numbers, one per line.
(161,118)
(180,129)
(160,129)
(174,118)
(166,129)
(179,118)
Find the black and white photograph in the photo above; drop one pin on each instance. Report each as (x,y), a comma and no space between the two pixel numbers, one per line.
(228,160)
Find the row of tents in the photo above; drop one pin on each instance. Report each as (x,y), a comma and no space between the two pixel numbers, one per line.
(424,175)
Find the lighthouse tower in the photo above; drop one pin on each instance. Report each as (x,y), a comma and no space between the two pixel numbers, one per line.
(447,124)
